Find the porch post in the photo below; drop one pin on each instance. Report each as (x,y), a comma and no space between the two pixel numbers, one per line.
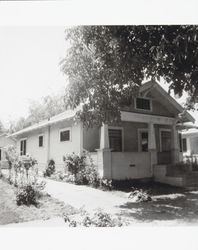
(104,137)
(104,153)
(152,145)
(174,145)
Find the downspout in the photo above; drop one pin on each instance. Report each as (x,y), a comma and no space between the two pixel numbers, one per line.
(48,143)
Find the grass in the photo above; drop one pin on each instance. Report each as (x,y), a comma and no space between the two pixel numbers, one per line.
(169,204)
(47,208)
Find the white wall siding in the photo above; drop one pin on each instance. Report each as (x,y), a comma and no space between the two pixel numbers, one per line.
(58,148)
(32,146)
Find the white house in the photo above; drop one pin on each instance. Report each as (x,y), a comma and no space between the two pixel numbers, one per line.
(190,142)
(5,141)
(141,146)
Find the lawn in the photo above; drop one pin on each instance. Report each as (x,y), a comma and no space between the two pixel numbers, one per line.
(47,208)
(170,204)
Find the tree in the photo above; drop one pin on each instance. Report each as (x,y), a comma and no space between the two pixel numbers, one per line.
(2,128)
(107,64)
(48,106)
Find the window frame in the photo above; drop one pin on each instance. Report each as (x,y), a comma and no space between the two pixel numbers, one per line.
(23,139)
(122,134)
(146,98)
(160,136)
(70,134)
(183,145)
(42,141)
(140,130)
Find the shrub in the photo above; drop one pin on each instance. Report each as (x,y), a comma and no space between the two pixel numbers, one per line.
(82,169)
(106,184)
(99,219)
(26,195)
(138,195)
(50,169)
(75,163)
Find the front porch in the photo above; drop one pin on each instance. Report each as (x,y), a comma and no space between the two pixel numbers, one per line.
(143,143)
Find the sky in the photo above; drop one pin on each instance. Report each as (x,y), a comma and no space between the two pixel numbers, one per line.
(29,67)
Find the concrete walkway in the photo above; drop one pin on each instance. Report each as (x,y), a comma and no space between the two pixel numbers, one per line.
(81,196)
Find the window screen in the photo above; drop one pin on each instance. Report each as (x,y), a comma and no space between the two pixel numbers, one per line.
(165,141)
(115,139)
(23,147)
(41,141)
(65,135)
(184,144)
(142,103)
(144,141)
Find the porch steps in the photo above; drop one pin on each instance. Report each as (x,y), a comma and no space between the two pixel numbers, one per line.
(163,174)
(160,175)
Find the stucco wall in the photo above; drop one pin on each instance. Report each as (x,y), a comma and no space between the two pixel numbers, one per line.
(130,165)
(131,135)
(32,146)
(57,149)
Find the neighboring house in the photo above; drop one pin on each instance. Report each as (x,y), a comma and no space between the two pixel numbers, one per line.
(5,141)
(190,142)
(145,141)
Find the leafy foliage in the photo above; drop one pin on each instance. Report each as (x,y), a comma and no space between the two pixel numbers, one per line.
(48,106)
(26,195)
(139,195)
(98,219)
(50,168)
(107,64)
(82,169)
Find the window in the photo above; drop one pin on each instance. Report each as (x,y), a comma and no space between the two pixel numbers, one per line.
(184,144)
(115,140)
(180,142)
(23,147)
(65,135)
(143,141)
(165,140)
(40,140)
(142,103)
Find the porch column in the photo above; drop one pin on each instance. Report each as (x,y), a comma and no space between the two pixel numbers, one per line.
(104,137)
(104,153)
(152,145)
(174,145)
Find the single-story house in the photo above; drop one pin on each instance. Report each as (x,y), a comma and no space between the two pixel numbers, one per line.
(5,141)
(141,146)
(190,142)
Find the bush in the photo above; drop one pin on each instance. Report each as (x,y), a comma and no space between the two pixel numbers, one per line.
(106,184)
(26,195)
(82,169)
(138,195)
(50,170)
(99,219)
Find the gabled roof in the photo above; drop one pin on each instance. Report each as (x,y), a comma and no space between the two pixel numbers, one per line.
(149,86)
(69,114)
(54,119)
